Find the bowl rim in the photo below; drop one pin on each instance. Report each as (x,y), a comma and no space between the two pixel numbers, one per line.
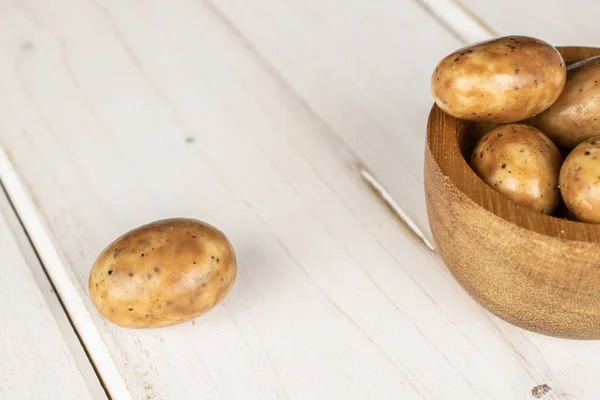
(443,135)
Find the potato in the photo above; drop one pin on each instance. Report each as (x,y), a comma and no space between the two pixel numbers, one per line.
(522,163)
(500,80)
(580,181)
(162,273)
(575,116)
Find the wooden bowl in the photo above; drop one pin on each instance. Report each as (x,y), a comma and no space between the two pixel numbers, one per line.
(536,271)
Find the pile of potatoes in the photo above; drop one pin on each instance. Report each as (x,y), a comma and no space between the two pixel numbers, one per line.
(532,109)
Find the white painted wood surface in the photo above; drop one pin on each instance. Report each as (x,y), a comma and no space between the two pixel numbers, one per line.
(256,116)
(41,357)
(562,23)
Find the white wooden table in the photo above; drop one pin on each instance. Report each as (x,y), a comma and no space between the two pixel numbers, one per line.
(257,117)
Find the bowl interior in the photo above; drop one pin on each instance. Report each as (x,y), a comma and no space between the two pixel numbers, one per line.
(451,142)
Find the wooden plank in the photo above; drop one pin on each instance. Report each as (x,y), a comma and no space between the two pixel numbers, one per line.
(41,355)
(294,55)
(562,23)
(362,68)
(117,113)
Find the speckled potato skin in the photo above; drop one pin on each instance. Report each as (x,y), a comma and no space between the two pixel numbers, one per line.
(163,273)
(575,116)
(522,163)
(501,80)
(580,181)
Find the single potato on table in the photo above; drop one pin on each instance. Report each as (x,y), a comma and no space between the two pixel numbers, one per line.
(575,116)
(501,80)
(580,181)
(162,273)
(520,162)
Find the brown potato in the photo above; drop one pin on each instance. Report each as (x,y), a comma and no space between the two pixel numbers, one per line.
(575,116)
(162,273)
(500,80)
(580,181)
(522,163)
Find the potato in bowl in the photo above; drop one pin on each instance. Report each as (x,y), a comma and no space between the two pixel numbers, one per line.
(501,80)
(534,270)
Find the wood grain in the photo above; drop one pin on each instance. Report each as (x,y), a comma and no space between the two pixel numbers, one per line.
(353,74)
(37,360)
(561,23)
(255,117)
(555,21)
(247,157)
(534,270)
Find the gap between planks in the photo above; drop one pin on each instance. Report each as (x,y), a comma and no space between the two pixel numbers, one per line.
(458,20)
(74,342)
(377,187)
(384,195)
(61,277)
(467,27)
(453,16)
